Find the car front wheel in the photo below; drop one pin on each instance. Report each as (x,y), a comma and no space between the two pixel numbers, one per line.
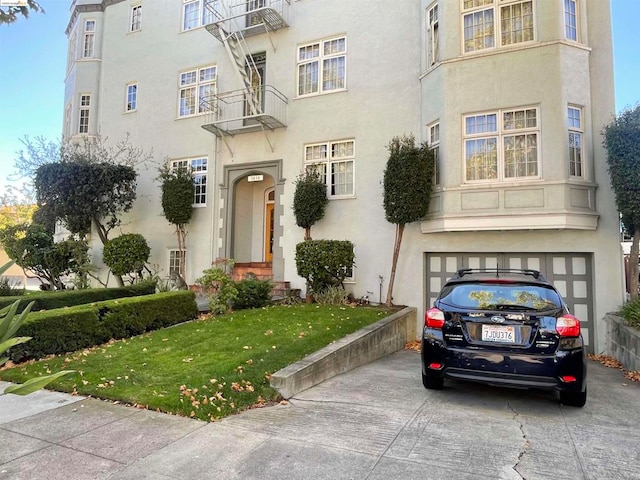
(432,383)
(573,399)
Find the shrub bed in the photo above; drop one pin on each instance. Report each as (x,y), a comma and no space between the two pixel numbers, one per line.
(69,298)
(69,329)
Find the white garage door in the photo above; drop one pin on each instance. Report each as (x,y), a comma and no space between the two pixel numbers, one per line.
(571,273)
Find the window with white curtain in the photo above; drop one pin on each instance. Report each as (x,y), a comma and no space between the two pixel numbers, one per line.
(489,23)
(322,66)
(197,13)
(502,145)
(196,88)
(335,162)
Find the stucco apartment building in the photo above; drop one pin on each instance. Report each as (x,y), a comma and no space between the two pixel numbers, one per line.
(511,93)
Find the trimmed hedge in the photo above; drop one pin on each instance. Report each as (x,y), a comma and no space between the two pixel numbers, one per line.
(69,329)
(69,298)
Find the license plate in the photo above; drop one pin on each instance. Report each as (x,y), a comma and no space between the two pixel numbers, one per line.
(498,333)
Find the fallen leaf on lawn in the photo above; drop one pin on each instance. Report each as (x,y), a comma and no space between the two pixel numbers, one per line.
(187,360)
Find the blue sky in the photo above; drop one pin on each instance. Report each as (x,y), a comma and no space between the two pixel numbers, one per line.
(33,57)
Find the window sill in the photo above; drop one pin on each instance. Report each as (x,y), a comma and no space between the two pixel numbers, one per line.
(320,94)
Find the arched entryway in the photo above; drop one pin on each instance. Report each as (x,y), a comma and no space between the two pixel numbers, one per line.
(250,208)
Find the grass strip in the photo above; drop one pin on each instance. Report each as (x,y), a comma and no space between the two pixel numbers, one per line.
(205,369)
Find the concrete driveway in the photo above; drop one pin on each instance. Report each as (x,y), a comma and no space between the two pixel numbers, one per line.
(375,422)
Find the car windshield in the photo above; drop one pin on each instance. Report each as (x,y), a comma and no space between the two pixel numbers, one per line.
(501,296)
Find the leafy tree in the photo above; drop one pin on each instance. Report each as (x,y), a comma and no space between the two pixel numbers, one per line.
(309,200)
(622,141)
(177,204)
(32,248)
(408,182)
(127,254)
(10,14)
(79,194)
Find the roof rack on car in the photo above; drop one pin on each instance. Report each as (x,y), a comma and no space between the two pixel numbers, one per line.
(527,271)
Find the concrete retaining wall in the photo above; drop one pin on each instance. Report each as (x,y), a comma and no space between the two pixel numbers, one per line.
(623,342)
(370,343)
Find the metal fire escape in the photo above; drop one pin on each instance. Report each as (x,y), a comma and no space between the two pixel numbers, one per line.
(255,106)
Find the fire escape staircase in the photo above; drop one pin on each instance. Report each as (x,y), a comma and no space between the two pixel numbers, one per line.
(255,106)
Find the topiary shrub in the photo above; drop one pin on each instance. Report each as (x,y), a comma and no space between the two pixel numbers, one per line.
(324,263)
(252,293)
(126,254)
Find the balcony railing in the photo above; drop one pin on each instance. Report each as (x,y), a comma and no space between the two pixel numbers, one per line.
(242,111)
(251,17)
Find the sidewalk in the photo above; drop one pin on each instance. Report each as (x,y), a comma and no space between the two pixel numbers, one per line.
(375,422)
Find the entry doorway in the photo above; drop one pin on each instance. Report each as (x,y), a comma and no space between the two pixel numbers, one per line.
(269,225)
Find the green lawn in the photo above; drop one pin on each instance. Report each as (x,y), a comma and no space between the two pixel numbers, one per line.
(208,368)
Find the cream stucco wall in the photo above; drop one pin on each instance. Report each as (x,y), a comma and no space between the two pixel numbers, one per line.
(389,92)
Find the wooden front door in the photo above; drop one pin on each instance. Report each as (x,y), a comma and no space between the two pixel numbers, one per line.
(268,237)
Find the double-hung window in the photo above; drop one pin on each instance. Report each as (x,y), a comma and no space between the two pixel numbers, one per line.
(433,47)
(335,162)
(491,23)
(322,66)
(570,20)
(574,115)
(89,38)
(176,261)
(73,45)
(131,101)
(83,120)
(136,18)
(434,144)
(198,169)
(196,13)
(196,88)
(502,145)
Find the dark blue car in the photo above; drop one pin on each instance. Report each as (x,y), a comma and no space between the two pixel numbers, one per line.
(507,328)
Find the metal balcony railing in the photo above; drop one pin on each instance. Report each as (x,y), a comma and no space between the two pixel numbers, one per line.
(250,17)
(234,112)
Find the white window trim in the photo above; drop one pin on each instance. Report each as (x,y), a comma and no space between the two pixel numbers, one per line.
(89,34)
(204,17)
(67,120)
(135,26)
(174,254)
(127,108)
(195,172)
(496,5)
(433,36)
(500,135)
(580,131)
(196,85)
(328,161)
(433,144)
(84,108)
(577,19)
(73,48)
(320,60)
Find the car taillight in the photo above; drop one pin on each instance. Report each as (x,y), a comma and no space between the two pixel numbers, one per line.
(568,326)
(434,318)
